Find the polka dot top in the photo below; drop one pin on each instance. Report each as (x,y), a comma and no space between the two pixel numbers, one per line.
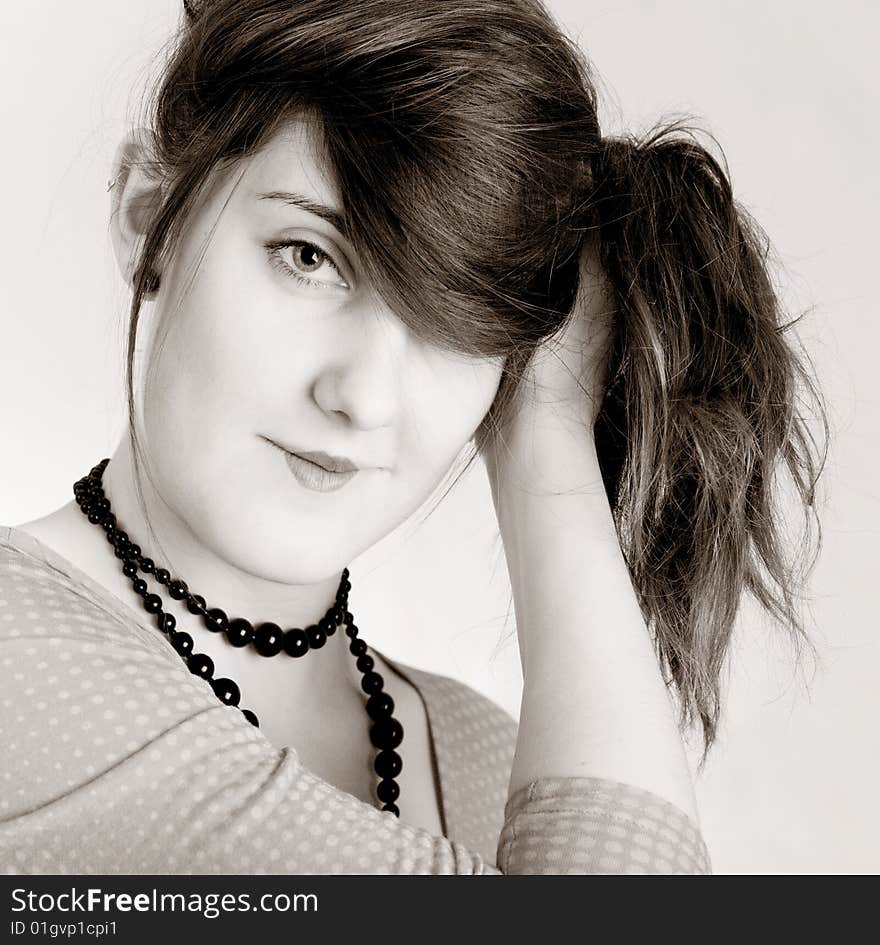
(117,759)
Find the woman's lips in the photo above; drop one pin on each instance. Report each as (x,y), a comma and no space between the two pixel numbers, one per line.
(315,477)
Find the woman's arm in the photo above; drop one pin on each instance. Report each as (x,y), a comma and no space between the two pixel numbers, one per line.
(594,703)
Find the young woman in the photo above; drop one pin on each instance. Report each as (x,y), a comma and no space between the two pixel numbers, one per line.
(361,239)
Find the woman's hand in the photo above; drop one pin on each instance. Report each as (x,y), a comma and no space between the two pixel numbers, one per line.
(565,379)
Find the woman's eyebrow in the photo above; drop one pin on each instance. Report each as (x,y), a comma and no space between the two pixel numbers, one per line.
(329,214)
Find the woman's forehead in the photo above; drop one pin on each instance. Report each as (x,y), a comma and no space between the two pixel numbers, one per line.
(294,161)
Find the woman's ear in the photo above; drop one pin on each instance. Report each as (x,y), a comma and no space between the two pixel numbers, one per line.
(136,194)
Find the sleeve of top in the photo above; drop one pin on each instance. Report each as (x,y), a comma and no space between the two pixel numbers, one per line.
(118,760)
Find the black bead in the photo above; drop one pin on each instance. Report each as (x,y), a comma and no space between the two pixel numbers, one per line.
(103,505)
(148,566)
(347,616)
(240,632)
(386,733)
(95,517)
(268,639)
(122,550)
(195,604)
(357,647)
(177,589)
(380,705)
(371,683)
(140,587)
(110,519)
(317,637)
(365,663)
(337,615)
(351,630)
(163,575)
(388,764)
(200,664)
(167,623)
(135,550)
(387,791)
(345,573)
(130,568)
(251,717)
(346,585)
(327,625)
(226,691)
(393,808)
(183,643)
(215,620)
(152,603)
(296,643)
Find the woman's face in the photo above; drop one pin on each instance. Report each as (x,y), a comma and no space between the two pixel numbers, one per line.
(280,343)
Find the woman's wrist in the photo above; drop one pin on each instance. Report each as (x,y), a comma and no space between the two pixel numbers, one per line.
(552,456)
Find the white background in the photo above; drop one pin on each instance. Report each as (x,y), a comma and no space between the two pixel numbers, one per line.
(788,90)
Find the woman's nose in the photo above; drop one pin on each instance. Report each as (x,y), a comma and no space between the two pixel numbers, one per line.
(363,378)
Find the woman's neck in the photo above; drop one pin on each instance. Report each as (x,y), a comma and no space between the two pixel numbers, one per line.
(219,581)
(312,679)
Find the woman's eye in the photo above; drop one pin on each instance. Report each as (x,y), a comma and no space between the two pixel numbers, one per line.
(305,262)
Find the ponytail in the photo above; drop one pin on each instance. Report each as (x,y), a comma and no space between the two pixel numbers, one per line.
(699,407)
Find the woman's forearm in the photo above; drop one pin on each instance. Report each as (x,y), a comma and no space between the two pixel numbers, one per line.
(594,702)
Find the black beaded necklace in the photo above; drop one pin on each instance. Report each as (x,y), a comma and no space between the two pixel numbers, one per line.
(386,733)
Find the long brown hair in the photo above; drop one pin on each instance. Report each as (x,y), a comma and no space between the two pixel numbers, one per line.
(466,144)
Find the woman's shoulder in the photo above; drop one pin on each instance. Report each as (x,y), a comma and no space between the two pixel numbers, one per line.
(31,580)
(44,596)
